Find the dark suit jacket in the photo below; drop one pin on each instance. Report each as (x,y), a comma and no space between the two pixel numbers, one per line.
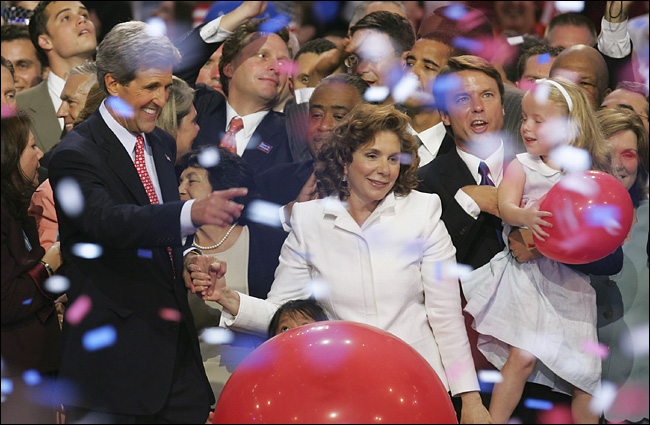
(476,241)
(30,330)
(282,183)
(268,145)
(131,284)
(37,102)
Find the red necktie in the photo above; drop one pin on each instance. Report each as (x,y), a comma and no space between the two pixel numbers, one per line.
(141,168)
(229,142)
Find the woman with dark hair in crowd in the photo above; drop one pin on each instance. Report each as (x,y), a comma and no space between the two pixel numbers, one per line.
(30,325)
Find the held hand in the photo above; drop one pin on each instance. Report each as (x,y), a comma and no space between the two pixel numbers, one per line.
(522,246)
(532,218)
(485,197)
(217,272)
(195,272)
(53,256)
(309,191)
(473,411)
(218,208)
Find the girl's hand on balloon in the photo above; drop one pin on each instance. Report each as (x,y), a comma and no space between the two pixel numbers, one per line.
(533,218)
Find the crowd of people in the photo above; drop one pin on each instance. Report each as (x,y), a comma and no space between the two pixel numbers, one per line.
(251,172)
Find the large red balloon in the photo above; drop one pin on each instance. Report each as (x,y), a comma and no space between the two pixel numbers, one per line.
(592,215)
(334,372)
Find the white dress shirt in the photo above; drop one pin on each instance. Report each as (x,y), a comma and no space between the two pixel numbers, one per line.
(495,165)
(128,140)
(614,40)
(391,273)
(251,122)
(55,86)
(431,141)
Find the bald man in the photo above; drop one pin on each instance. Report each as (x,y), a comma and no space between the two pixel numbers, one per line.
(586,67)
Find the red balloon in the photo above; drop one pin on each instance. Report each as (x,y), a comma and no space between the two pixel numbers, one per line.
(334,372)
(592,215)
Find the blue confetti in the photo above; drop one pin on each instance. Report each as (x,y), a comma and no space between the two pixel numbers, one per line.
(120,107)
(32,377)
(99,338)
(275,24)
(145,253)
(325,11)
(544,58)
(468,44)
(456,12)
(603,216)
(28,301)
(533,403)
(6,386)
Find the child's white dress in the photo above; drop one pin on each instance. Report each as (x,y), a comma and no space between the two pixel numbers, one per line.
(540,306)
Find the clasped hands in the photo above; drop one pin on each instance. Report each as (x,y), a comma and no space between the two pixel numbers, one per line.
(204,276)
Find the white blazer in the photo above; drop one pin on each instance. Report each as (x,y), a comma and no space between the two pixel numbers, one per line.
(396,272)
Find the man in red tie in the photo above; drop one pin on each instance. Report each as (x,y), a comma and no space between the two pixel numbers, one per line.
(134,355)
(254,69)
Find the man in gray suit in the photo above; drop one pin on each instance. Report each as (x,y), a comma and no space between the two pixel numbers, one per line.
(62,32)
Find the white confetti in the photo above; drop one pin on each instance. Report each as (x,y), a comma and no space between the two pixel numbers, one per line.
(603,397)
(88,251)
(569,6)
(405,87)
(70,197)
(376,94)
(571,159)
(209,157)
(264,212)
(57,284)
(217,336)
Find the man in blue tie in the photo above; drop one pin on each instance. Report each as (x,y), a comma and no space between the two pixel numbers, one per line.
(469,95)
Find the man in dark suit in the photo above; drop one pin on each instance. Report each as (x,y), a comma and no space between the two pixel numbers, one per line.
(332,100)
(133,354)
(469,95)
(254,70)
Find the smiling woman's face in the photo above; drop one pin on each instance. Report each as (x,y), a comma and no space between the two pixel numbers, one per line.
(374,169)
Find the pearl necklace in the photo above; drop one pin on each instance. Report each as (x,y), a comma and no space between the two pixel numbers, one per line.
(220,242)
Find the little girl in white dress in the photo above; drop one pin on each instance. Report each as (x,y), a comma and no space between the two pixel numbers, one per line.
(534,319)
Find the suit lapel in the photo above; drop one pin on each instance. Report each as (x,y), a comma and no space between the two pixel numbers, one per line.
(47,124)
(266,132)
(163,159)
(118,159)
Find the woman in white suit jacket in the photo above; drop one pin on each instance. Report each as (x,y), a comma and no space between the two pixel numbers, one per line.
(379,250)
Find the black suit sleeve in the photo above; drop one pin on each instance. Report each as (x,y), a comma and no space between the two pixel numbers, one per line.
(607,266)
(105,221)
(195,53)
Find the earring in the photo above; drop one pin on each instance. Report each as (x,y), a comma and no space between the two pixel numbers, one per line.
(345,178)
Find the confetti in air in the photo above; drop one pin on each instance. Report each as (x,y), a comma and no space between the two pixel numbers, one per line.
(170,314)
(88,251)
(99,338)
(513,41)
(32,377)
(569,6)
(57,284)
(603,397)
(145,253)
(571,159)
(156,27)
(275,24)
(455,12)
(217,336)
(69,196)
(533,403)
(490,376)
(405,87)
(120,107)
(6,386)
(598,350)
(472,46)
(544,58)
(209,157)
(264,212)
(75,313)
(376,94)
